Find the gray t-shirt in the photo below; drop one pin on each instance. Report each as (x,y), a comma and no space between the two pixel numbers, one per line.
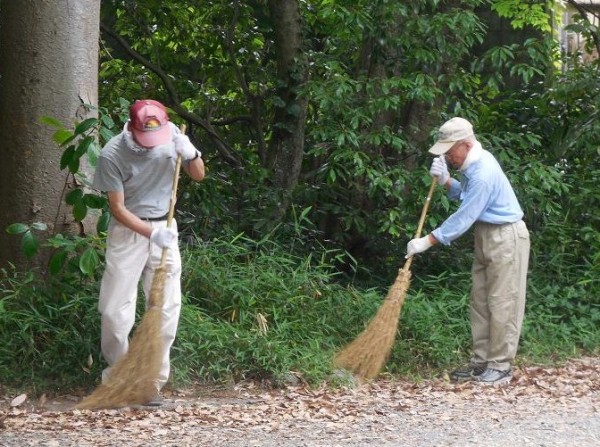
(145,176)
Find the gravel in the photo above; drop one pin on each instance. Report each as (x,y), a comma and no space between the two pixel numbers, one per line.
(541,407)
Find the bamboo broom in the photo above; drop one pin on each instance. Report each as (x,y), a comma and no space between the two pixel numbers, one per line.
(367,354)
(132,379)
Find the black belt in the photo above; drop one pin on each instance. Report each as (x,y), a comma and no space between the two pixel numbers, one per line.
(155,219)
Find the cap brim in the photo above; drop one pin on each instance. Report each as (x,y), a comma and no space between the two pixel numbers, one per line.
(151,138)
(440,148)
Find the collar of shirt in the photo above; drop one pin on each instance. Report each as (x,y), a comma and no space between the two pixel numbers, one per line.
(472,156)
(130,141)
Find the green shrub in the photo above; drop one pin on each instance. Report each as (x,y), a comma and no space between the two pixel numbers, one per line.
(255,310)
(49,333)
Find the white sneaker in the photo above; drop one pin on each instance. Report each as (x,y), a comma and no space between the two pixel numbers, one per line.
(494,377)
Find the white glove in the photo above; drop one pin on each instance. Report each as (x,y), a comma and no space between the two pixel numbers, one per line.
(439,169)
(418,246)
(163,237)
(184,147)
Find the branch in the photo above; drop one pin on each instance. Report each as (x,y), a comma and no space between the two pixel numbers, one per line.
(224,149)
(583,12)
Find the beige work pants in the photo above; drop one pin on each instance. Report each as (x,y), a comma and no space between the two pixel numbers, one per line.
(498,295)
(131,257)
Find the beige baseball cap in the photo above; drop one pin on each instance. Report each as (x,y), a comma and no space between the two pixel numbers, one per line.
(453,130)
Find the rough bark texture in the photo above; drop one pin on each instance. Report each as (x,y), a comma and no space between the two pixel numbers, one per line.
(48,67)
(287,144)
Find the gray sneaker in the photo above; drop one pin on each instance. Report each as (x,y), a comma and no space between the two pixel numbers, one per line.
(155,401)
(494,377)
(467,372)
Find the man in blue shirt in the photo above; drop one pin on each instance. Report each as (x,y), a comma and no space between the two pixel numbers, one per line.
(499,271)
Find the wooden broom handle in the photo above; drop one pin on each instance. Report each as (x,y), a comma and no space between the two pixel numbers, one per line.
(175,184)
(163,257)
(422,220)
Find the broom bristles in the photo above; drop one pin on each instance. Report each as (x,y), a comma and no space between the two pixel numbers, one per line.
(132,379)
(367,354)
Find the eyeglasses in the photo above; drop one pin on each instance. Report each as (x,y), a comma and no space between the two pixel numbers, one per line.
(453,149)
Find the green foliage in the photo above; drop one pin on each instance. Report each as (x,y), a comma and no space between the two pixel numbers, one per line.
(265,306)
(525,13)
(528,62)
(49,333)
(358,146)
(434,328)
(29,242)
(82,252)
(255,311)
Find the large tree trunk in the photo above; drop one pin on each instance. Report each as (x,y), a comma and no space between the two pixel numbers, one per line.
(286,149)
(48,67)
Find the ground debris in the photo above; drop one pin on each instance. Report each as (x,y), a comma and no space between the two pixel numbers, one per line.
(542,406)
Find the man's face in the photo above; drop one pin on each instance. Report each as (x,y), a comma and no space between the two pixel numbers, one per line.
(457,154)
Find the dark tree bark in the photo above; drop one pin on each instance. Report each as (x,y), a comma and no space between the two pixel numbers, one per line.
(286,148)
(48,67)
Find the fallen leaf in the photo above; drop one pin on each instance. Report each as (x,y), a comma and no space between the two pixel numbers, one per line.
(18,400)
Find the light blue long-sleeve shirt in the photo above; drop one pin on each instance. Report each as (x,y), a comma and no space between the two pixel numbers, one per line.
(486,196)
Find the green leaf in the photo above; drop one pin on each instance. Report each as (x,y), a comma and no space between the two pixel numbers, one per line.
(73,197)
(94,201)
(74,165)
(29,244)
(80,211)
(89,260)
(67,157)
(102,225)
(57,261)
(83,146)
(50,121)
(106,134)
(85,125)
(17,228)
(63,136)
(107,122)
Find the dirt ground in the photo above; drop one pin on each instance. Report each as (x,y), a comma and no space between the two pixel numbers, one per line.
(541,407)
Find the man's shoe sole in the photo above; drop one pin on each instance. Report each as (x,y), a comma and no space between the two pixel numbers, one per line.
(154,402)
(500,382)
(462,379)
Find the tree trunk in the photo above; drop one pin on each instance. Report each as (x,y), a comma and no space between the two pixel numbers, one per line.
(286,148)
(48,67)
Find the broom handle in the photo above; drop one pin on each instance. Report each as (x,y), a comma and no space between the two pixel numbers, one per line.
(163,257)
(421,220)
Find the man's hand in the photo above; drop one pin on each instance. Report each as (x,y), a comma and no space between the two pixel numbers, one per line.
(163,237)
(184,147)
(439,169)
(418,246)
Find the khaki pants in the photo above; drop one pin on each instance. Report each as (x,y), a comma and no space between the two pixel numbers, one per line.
(498,295)
(129,258)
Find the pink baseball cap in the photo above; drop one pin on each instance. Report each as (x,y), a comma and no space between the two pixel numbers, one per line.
(149,123)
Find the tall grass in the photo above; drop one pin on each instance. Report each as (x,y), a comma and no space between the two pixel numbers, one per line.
(49,333)
(256,310)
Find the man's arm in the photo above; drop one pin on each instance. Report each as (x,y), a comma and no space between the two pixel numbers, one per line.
(195,168)
(116,202)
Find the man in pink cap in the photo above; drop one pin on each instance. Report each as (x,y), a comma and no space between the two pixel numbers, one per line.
(136,170)
(499,271)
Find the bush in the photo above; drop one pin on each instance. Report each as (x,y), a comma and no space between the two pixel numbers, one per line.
(253,310)
(49,333)
(256,311)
